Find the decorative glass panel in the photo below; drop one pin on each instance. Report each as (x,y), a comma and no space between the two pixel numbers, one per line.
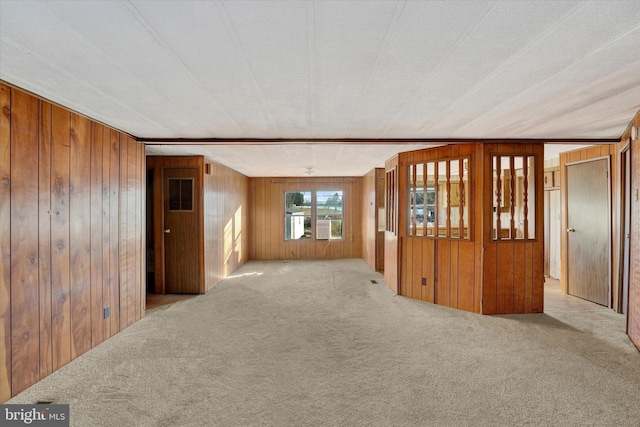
(442,217)
(513,197)
(390,201)
(438,199)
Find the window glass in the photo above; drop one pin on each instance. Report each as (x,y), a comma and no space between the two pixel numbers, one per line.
(180,194)
(430,199)
(390,201)
(329,208)
(297,218)
(443,205)
(313,215)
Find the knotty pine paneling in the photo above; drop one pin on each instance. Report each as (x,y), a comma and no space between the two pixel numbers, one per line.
(519,283)
(428,291)
(97,238)
(466,276)
(115,266)
(62,172)
(141,258)
(5,243)
(633,309)
(60,257)
(131,221)
(373,196)
(131,231)
(267,219)
(226,229)
(24,242)
(125,256)
(45,246)
(444,286)
(454,273)
(415,271)
(80,235)
(369,225)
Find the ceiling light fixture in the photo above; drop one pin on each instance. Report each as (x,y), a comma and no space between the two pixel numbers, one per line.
(309,171)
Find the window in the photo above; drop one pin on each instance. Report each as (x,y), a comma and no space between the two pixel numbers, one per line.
(313,214)
(390,201)
(513,197)
(181,194)
(329,213)
(438,199)
(297,215)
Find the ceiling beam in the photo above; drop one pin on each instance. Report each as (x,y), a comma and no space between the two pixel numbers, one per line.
(371,141)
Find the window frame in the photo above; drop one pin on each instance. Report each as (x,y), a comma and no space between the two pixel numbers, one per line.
(314,215)
(503,203)
(442,228)
(192,197)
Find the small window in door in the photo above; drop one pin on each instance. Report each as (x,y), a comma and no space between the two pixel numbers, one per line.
(181,194)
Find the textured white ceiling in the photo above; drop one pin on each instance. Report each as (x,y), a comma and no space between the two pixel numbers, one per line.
(330,69)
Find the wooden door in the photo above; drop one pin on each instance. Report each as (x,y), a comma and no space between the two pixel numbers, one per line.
(182,207)
(588,215)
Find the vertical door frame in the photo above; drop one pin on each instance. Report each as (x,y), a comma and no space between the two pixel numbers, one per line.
(158,222)
(609,220)
(159,164)
(547,233)
(392,239)
(625,249)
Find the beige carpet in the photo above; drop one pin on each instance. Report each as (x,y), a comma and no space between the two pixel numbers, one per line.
(317,343)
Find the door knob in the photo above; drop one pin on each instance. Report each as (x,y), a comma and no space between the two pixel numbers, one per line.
(167,231)
(571,230)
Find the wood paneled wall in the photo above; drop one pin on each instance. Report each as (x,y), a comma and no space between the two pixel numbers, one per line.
(226,222)
(633,310)
(224,244)
(479,274)
(372,199)
(513,270)
(266,219)
(451,268)
(71,203)
(392,255)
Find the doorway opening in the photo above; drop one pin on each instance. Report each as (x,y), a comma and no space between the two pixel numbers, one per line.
(173,217)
